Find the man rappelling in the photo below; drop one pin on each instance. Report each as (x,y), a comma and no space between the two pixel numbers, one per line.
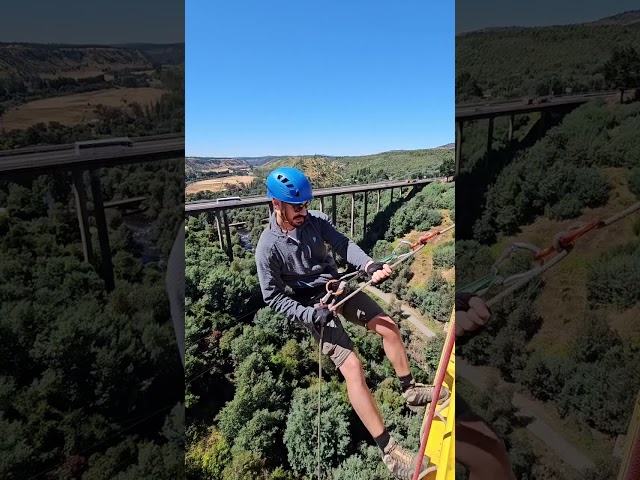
(294,267)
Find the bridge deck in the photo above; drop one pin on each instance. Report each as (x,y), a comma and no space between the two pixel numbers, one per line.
(200,206)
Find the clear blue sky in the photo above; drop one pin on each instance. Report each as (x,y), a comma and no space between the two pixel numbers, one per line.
(86,21)
(331,77)
(475,15)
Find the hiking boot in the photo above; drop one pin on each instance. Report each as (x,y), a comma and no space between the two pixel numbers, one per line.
(402,463)
(418,395)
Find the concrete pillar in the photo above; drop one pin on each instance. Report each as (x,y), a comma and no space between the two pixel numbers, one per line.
(364,219)
(217,215)
(490,135)
(378,202)
(106,265)
(83,216)
(391,197)
(458,146)
(353,213)
(270,208)
(322,204)
(227,234)
(333,212)
(511,118)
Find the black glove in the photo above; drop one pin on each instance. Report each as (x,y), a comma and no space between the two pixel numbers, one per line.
(322,315)
(374,267)
(462,301)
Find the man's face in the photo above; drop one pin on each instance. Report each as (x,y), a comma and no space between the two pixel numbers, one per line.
(295,213)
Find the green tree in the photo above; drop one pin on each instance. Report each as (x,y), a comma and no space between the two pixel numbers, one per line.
(365,465)
(622,70)
(301,434)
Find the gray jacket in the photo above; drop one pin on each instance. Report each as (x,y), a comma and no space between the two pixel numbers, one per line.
(284,262)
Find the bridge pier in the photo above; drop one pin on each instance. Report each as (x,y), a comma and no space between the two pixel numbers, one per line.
(353,211)
(217,215)
(364,220)
(322,204)
(490,135)
(83,215)
(227,234)
(333,210)
(511,118)
(378,202)
(106,265)
(458,146)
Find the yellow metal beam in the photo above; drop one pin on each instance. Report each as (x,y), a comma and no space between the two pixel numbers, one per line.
(630,469)
(441,442)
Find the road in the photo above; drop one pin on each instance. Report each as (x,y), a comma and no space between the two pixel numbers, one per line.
(478,377)
(477,111)
(412,315)
(64,157)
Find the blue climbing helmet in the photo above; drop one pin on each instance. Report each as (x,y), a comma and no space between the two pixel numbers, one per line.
(289,185)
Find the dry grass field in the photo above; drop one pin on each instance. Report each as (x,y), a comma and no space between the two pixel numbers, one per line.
(77,108)
(422,266)
(568,278)
(217,184)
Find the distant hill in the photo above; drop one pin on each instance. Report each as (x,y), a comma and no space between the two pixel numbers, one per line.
(26,60)
(257,161)
(516,62)
(625,18)
(165,54)
(448,146)
(327,171)
(629,17)
(193,165)
(393,165)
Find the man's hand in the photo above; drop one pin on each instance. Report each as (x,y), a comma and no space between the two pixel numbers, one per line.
(378,272)
(322,315)
(471,313)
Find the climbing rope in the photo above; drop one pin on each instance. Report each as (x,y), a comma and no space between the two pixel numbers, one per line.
(440,374)
(414,248)
(319,396)
(561,245)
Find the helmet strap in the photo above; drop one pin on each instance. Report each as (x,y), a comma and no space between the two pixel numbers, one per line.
(283,218)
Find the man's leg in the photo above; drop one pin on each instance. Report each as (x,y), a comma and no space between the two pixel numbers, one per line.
(360,395)
(480,450)
(339,347)
(384,326)
(415,394)
(398,460)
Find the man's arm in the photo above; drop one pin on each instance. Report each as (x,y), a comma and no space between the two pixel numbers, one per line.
(273,289)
